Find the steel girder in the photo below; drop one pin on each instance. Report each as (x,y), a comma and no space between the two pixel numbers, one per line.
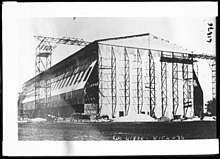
(139,83)
(126,81)
(100,77)
(113,82)
(175,90)
(152,90)
(187,87)
(163,86)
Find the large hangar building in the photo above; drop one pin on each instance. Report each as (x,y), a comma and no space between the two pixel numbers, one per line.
(117,77)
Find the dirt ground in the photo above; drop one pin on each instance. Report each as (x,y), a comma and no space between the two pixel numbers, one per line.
(71,131)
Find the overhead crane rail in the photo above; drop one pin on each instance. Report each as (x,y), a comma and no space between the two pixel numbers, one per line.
(204,56)
(64,40)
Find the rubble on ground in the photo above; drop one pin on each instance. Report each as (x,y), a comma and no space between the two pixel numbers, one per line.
(164,119)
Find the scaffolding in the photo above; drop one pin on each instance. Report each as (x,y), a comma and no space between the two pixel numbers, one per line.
(113,82)
(187,88)
(126,82)
(139,83)
(152,85)
(163,85)
(175,89)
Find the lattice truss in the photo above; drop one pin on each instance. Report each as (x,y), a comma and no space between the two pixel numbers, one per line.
(152,85)
(187,74)
(113,82)
(163,85)
(175,89)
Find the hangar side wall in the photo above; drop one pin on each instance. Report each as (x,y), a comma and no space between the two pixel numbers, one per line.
(69,79)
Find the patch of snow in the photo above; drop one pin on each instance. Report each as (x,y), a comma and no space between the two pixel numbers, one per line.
(37,120)
(207,118)
(22,121)
(196,119)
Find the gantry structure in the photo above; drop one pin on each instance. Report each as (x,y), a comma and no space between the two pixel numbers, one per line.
(43,60)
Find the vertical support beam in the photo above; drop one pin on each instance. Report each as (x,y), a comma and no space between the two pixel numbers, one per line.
(126,81)
(175,90)
(163,85)
(42,63)
(100,80)
(139,82)
(185,89)
(152,94)
(191,86)
(113,82)
(187,85)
